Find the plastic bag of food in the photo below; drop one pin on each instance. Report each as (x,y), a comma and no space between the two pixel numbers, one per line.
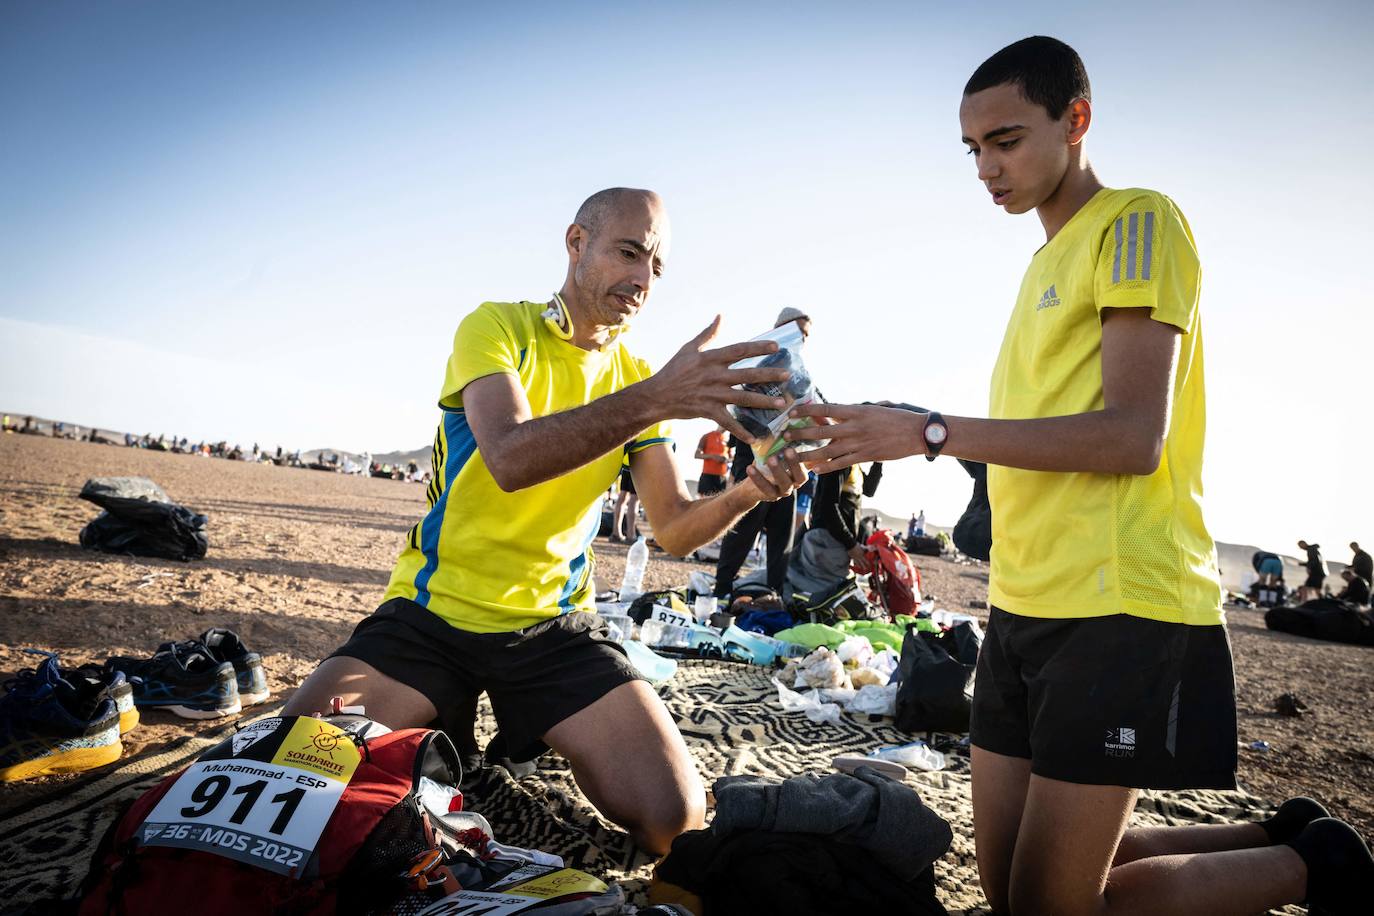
(766,424)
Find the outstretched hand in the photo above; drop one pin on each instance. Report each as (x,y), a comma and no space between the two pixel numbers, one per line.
(698,382)
(857,433)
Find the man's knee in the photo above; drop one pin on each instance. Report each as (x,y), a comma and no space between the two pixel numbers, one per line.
(661,821)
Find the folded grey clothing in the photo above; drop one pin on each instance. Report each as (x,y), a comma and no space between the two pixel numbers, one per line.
(866,809)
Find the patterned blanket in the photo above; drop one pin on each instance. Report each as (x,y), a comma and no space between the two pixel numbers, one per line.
(733,724)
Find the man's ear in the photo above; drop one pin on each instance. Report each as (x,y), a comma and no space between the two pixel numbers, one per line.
(1080,115)
(576,241)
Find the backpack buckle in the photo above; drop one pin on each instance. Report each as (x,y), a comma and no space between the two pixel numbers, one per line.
(427,870)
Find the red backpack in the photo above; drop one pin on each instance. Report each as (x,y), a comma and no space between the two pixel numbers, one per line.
(894,580)
(292,815)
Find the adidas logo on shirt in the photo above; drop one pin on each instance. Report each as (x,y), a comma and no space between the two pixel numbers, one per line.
(1049,300)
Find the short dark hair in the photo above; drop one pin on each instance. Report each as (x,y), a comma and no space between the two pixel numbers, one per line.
(596,209)
(1048,72)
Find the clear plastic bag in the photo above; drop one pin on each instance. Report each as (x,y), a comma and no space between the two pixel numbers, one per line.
(766,424)
(807,703)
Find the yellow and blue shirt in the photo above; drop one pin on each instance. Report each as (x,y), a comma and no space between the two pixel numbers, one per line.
(1089,545)
(488,561)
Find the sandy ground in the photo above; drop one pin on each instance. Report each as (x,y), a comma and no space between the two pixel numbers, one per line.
(297,557)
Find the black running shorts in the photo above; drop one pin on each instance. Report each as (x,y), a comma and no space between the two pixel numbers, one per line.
(627,481)
(1114,701)
(710,483)
(535,677)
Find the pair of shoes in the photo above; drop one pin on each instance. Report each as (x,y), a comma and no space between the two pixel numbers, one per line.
(208,677)
(50,725)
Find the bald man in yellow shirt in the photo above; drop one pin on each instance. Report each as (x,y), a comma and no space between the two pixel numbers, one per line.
(493,589)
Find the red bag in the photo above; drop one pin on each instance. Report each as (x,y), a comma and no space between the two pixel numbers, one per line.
(895,581)
(232,832)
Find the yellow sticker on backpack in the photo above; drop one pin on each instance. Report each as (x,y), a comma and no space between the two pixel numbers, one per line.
(320,747)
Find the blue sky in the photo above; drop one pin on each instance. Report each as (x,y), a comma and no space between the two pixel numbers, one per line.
(263,221)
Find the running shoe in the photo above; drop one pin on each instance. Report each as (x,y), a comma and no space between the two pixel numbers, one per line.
(224,645)
(49,725)
(93,678)
(182,678)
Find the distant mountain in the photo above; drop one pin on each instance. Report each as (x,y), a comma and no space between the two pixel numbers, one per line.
(420,456)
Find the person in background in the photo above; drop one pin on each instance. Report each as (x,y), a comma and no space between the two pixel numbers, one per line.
(1269,566)
(1362,563)
(804,497)
(1316,572)
(714,456)
(625,518)
(921,524)
(1356,589)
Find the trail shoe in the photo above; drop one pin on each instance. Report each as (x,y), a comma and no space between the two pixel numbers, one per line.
(92,679)
(184,679)
(48,725)
(225,646)
(1292,816)
(1340,869)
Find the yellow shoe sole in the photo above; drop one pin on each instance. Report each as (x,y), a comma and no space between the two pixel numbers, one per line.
(127,720)
(72,761)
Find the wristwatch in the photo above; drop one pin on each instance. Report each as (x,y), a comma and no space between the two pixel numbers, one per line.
(935,433)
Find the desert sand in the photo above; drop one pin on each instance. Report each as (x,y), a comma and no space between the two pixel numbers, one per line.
(298,557)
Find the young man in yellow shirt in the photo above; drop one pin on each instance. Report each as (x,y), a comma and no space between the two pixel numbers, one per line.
(493,589)
(1106,667)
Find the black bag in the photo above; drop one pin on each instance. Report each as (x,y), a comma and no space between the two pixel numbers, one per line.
(140,519)
(973,532)
(936,672)
(920,545)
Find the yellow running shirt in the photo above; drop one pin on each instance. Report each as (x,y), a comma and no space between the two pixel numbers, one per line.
(488,561)
(1089,545)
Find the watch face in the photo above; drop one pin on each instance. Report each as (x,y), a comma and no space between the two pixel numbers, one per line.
(935,434)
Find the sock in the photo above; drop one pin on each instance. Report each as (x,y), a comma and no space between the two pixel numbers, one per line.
(1292,816)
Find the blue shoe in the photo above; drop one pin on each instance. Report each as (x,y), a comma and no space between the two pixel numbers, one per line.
(48,725)
(184,679)
(91,679)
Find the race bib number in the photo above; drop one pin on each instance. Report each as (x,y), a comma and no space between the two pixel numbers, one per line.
(526,887)
(668,615)
(267,804)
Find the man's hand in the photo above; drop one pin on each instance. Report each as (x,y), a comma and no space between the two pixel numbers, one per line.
(782,474)
(698,382)
(858,433)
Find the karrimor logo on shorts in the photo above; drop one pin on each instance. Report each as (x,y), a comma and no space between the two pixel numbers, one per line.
(1120,742)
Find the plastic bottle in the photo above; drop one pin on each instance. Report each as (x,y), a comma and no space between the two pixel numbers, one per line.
(632,586)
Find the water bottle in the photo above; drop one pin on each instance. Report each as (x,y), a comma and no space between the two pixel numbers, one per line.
(632,586)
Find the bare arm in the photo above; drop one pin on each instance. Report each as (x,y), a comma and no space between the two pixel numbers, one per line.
(682,524)
(1139,357)
(522,450)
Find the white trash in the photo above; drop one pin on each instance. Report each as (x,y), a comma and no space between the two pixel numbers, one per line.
(815,710)
(875,700)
